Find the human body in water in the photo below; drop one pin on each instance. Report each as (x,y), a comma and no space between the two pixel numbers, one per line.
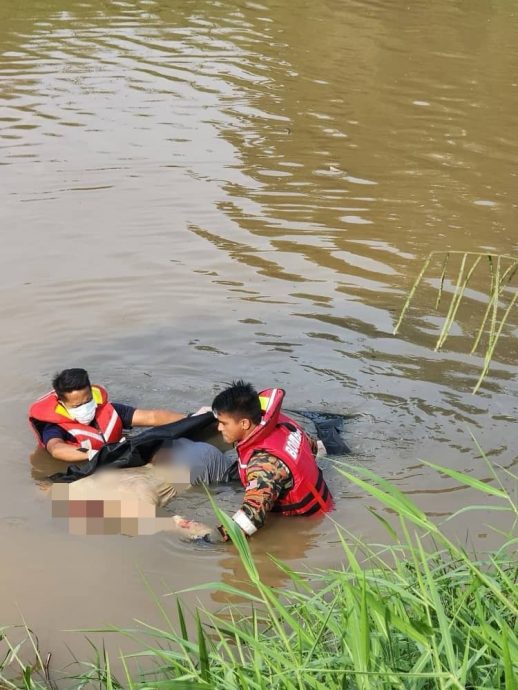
(137,500)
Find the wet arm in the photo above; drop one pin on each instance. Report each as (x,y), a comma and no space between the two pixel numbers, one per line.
(267,478)
(64,451)
(155,417)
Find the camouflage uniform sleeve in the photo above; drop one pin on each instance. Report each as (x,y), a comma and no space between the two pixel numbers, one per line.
(267,478)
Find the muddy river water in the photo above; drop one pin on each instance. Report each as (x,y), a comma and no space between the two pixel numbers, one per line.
(192,192)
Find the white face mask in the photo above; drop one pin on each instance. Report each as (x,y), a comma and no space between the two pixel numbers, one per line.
(83,414)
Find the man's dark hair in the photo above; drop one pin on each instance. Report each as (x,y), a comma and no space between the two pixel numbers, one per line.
(240,400)
(70,380)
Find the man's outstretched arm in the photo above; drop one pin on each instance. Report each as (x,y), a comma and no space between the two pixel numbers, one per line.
(155,417)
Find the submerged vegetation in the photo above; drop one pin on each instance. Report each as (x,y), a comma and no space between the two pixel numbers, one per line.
(421,613)
(501,297)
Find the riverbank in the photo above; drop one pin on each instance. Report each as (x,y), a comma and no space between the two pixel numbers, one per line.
(418,612)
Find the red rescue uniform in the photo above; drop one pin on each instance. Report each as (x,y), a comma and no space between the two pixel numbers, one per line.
(282,437)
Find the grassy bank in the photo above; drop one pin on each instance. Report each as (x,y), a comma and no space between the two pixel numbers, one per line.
(420,612)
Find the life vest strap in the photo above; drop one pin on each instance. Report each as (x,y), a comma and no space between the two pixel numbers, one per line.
(319,493)
(314,509)
(288,425)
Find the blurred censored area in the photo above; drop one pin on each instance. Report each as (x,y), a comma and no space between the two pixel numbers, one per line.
(123,514)
(130,517)
(131,501)
(111,512)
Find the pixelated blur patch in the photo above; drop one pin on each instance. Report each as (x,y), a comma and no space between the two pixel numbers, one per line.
(112,509)
(77,525)
(95,525)
(95,509)
(60,509)
(77,509)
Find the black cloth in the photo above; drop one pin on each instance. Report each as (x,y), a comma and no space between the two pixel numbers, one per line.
(328,431)
(140,448)
(136,450)
(328,427)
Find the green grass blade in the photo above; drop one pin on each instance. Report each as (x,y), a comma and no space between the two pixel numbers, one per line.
(465,479)
(364,628)
(509,671)
(441,283)
(202,651)
(454,302)
(385,523)
(493,342)
(412,292)
(181,620)
(492,296)
(444,627)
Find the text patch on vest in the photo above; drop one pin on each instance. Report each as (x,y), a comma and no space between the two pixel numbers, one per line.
(293,442)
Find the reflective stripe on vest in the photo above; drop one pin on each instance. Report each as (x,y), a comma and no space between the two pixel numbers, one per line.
(82,432)
(110,426)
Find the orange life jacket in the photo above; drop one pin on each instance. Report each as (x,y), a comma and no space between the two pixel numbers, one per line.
(282,437)
(48,410)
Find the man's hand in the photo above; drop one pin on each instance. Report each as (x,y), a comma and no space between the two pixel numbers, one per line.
(321,449)
(217,535)
(222,533)
(202,410)
(86,447)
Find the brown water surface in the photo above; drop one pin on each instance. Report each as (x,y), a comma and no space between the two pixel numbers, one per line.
(192,192)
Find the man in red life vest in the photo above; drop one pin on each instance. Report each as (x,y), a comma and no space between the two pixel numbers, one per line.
(276,458)
(75,419)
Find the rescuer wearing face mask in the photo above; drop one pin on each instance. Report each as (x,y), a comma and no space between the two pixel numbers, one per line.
(75,419)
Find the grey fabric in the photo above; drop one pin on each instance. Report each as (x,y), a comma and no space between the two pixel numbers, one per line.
(195,462)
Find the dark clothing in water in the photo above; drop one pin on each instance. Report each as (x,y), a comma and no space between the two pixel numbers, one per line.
(137,450)
(140,449)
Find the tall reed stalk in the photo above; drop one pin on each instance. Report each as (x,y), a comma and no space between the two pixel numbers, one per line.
(502,270)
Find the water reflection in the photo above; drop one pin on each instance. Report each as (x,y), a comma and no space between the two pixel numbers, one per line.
(289,543)
(43,465)
(193,192)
